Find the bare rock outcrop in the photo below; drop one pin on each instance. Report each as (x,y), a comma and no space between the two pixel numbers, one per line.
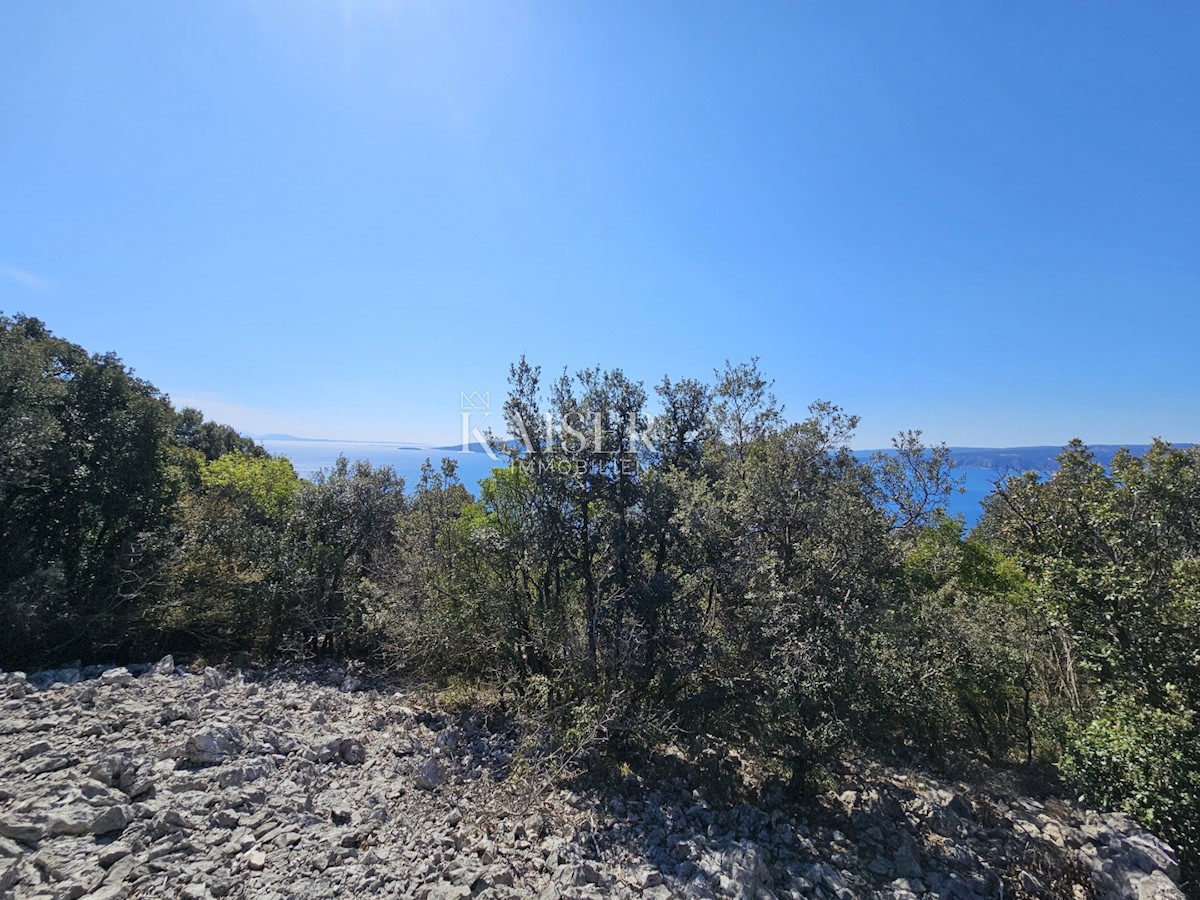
(149,781)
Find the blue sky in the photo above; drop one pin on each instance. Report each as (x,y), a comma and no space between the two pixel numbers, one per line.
(330,218)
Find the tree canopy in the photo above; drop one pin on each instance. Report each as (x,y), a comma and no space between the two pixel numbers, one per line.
(684,566)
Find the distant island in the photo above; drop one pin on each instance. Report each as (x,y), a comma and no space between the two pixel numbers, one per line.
(399,445)
(1042,458)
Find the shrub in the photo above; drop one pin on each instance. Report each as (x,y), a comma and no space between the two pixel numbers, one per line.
(1146,762)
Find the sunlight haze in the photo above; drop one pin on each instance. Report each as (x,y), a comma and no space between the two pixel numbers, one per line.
(331,219)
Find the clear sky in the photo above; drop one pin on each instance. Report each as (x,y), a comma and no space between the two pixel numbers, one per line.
(980,219)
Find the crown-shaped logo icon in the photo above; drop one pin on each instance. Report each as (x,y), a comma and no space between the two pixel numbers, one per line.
(476,400)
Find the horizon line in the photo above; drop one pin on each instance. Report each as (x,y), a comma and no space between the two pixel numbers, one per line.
(454,447)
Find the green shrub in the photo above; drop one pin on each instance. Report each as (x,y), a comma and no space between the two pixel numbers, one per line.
(1143,761)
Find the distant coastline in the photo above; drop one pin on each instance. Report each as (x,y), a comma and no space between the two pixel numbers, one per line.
(403,445)
(1031,458)
(979,467)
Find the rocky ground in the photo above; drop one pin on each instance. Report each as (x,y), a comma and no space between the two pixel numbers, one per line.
(151,781)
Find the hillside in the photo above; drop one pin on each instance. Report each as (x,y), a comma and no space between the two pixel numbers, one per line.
(312,782)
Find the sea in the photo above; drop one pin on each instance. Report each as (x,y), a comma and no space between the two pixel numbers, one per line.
(976,484)
(310,457)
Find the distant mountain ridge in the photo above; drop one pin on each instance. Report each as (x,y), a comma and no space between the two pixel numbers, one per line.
(1041,458)
(1038,459)
(404,445)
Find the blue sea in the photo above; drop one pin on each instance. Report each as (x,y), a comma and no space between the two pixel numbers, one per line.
(309,457)
(977,484)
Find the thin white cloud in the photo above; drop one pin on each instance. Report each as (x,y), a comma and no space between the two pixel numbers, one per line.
(245,418)
(26,278)
(315,423)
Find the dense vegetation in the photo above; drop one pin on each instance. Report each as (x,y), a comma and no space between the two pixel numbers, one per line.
(716,574)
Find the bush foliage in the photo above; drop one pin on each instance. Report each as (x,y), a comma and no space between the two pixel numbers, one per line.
(714,573)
